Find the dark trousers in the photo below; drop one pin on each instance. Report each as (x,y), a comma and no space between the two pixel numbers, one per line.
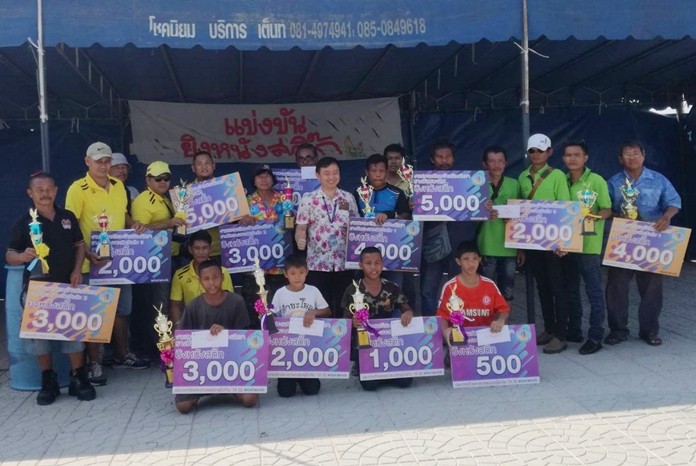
(587,266)
(143,337)
(332,285)
(288,387)
(371,385)
(548,273)
(650,290)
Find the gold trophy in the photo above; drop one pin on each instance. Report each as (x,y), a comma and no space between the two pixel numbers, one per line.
(455,305)
(261,305)
(288,207)
(587,199)
(406,174)
(163,327)
(361,310)
(182,196)
(365,194)
(630,196)
(36,235)
(103,242)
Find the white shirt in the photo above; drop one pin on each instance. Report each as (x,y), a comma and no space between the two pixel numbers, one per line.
(287,303)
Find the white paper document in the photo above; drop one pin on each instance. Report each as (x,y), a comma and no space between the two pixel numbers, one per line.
(308,173)
(485,337)
(203,339)
(508,211)
(297,326)
(416,326)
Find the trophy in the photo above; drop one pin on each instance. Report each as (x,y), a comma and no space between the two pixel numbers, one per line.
(261,305)
(165,344)
(365,194)
(630,196)
(455,305)
(361,310)
(36,235)
(103,242)
(587,199)
(406,174)
(288,207)
(182,196)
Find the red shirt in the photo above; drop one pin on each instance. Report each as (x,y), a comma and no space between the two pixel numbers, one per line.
(482,303)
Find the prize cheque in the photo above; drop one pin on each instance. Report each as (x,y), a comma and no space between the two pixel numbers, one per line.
(56,311)
(399,241)
(269,243)
(452,196)
(300,186)
(636,245)
(546,226)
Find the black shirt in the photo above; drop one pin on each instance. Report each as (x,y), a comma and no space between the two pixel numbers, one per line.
(60,235)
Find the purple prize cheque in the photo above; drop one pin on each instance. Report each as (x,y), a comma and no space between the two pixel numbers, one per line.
(300,186)
(56,311)
(325,356)
(398,240)
(403,355)
(513,362)
(238,364)
(453,196)
(145,258)
(215,202)
(545,226)
(241,245)
(637,245)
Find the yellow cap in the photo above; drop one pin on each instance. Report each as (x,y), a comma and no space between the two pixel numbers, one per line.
(157,168)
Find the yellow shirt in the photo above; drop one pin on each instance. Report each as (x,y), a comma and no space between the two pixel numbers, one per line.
(150,207)
(87,200)
(186,284)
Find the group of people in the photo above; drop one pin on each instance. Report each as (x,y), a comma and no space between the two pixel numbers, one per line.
(314,282)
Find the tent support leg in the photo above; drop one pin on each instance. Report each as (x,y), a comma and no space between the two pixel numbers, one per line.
(43,114)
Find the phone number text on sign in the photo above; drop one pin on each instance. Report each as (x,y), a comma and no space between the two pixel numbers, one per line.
(546,226)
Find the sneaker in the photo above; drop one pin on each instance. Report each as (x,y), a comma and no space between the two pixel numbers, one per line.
(96,374)
(80,385)
(50,390)
(544,338)
(131,361)
(555,346)
(590,347)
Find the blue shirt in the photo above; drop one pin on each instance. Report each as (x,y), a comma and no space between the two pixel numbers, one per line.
(389,200)
(655,194)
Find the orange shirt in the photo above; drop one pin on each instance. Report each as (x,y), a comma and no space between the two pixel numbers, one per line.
(482,303)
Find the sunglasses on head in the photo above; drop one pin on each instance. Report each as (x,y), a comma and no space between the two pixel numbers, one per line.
(161,178)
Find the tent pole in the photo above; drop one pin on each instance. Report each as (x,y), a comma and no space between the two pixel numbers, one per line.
(524,103)
(43,115)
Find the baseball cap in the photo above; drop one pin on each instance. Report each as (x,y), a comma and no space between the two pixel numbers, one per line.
(157,168)
(98,150)
(263,168)
(539,141)
(118,158)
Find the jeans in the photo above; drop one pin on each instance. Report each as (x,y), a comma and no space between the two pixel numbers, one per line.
(502,271)
(587,266)
(548,273)
(650,290)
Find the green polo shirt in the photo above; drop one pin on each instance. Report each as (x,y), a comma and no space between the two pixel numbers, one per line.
(491,234)
(594,182)
(553,188)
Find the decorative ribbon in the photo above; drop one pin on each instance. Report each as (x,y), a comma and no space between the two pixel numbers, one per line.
(363,316)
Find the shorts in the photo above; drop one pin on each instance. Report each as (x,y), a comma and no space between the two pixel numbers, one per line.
(125,299)
(40,347)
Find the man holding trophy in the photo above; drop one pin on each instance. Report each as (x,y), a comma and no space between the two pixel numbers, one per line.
(638,193)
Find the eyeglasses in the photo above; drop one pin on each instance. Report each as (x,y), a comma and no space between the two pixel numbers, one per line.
(159,179)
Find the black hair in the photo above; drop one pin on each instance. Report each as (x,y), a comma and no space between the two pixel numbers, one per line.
(441,144)
(199,153)
(304,146)
(370,250)
(200,235)
(261,171)
(295,260)
(395,148)
(493,150)
(326,162)
(40,175)
(467,246)
(581,144)
(633,143)
(207,264)
(375,159)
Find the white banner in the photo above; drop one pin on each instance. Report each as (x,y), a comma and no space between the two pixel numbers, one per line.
(174,132)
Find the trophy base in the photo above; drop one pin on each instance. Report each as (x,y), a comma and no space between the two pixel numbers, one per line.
(588,227)
(457,338)
(180,231)
(104,252)
(363,339)
(370,214)
(289,222)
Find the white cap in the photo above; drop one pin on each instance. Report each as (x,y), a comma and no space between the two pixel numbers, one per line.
(118,158)
(539,141)
(98,150)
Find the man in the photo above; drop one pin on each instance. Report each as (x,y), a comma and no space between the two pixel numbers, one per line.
(657,202)
(88,198)
(540,182)
(581,182)
(203,166)
(499,262)
(306,155)
(120,168)
(387,200)
(395,159)
(61,234)
(153,209)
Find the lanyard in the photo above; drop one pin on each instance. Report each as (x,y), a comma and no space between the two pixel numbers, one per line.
(331,215)
(496,189)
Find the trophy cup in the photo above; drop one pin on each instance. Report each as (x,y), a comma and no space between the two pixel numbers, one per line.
(165,344)
(365,194)
(587,199)
(361,310)
(406,174)
(455,305)
(261,305)
(36,235)
(288,207)
(630,196)
(104,243)
(182,196)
